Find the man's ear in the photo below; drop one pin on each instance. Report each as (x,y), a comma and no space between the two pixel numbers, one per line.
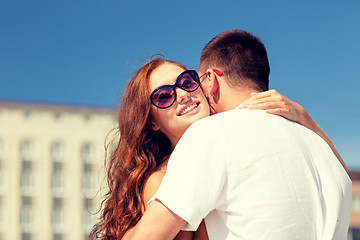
(214,89)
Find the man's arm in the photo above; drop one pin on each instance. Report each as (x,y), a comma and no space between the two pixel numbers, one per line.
(158,223)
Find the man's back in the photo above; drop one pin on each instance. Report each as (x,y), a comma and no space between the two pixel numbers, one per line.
(257,176)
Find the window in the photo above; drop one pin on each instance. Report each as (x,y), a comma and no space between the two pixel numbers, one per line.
(88,222)
(26,218)
(3,181)
(354,233)
(57,115)
(58,179)
(89,219)
(2,172)
(26,236)
(27,113)
(57,151)
(57,217)
(58,236)
(58,182)
(87,153)
(2,150)
(27,150)
(87,117)
(356,203)
(26,181)
(3,215)
(89,184)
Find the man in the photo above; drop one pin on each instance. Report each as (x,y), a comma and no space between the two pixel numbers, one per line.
(249,174)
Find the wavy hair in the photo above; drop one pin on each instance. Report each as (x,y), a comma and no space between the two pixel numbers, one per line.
(137,155)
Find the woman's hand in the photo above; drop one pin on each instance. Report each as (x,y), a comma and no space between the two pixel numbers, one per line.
(274,103)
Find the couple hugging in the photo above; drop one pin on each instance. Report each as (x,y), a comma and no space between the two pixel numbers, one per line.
(212,154)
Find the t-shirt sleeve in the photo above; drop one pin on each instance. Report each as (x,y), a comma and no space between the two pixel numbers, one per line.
(195,175)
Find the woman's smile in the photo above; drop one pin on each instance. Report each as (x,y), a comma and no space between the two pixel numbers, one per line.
(190,109)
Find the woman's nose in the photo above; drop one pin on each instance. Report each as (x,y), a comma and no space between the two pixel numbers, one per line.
(182,96)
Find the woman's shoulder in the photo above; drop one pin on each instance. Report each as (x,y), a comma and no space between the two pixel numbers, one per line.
(153,184)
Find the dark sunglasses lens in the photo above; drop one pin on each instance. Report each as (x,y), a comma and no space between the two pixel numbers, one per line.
(163,97)
(188,81)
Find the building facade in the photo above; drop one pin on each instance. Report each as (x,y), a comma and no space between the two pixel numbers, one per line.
(354,231)
(51,170)
(52,174)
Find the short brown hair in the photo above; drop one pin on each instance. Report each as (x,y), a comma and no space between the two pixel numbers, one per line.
(241,56)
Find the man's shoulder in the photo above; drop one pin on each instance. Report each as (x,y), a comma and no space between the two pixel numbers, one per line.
(243,122)
(241,116)
(241,119)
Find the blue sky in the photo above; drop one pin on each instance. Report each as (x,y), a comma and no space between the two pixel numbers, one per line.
(83,52)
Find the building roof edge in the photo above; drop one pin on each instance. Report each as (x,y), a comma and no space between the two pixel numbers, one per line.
(55,106)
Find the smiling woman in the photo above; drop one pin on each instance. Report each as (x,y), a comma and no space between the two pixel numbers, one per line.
(160,102)
(178,105)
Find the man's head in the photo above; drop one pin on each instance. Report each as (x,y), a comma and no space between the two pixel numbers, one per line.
(240,56)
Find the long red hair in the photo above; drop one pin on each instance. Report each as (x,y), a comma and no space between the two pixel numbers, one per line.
(138,154)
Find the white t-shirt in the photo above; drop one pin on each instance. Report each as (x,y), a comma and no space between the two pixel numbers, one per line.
(253,175)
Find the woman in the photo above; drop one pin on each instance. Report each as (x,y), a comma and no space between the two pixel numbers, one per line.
(150,129)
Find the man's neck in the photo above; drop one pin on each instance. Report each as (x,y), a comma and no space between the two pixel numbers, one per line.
(233,97)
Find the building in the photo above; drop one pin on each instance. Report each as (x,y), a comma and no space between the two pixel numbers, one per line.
(51,169)
(354,232)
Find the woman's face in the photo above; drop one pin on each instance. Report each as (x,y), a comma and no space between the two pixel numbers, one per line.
(187,108)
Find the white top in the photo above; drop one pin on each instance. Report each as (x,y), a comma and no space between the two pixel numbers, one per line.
(253,175)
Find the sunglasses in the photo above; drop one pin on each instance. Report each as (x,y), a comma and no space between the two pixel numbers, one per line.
(165,96)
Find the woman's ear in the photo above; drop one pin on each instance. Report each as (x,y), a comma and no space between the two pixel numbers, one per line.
(154,127)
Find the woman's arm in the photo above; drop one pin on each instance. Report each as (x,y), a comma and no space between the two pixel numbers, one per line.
(275,103)
(151,187)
